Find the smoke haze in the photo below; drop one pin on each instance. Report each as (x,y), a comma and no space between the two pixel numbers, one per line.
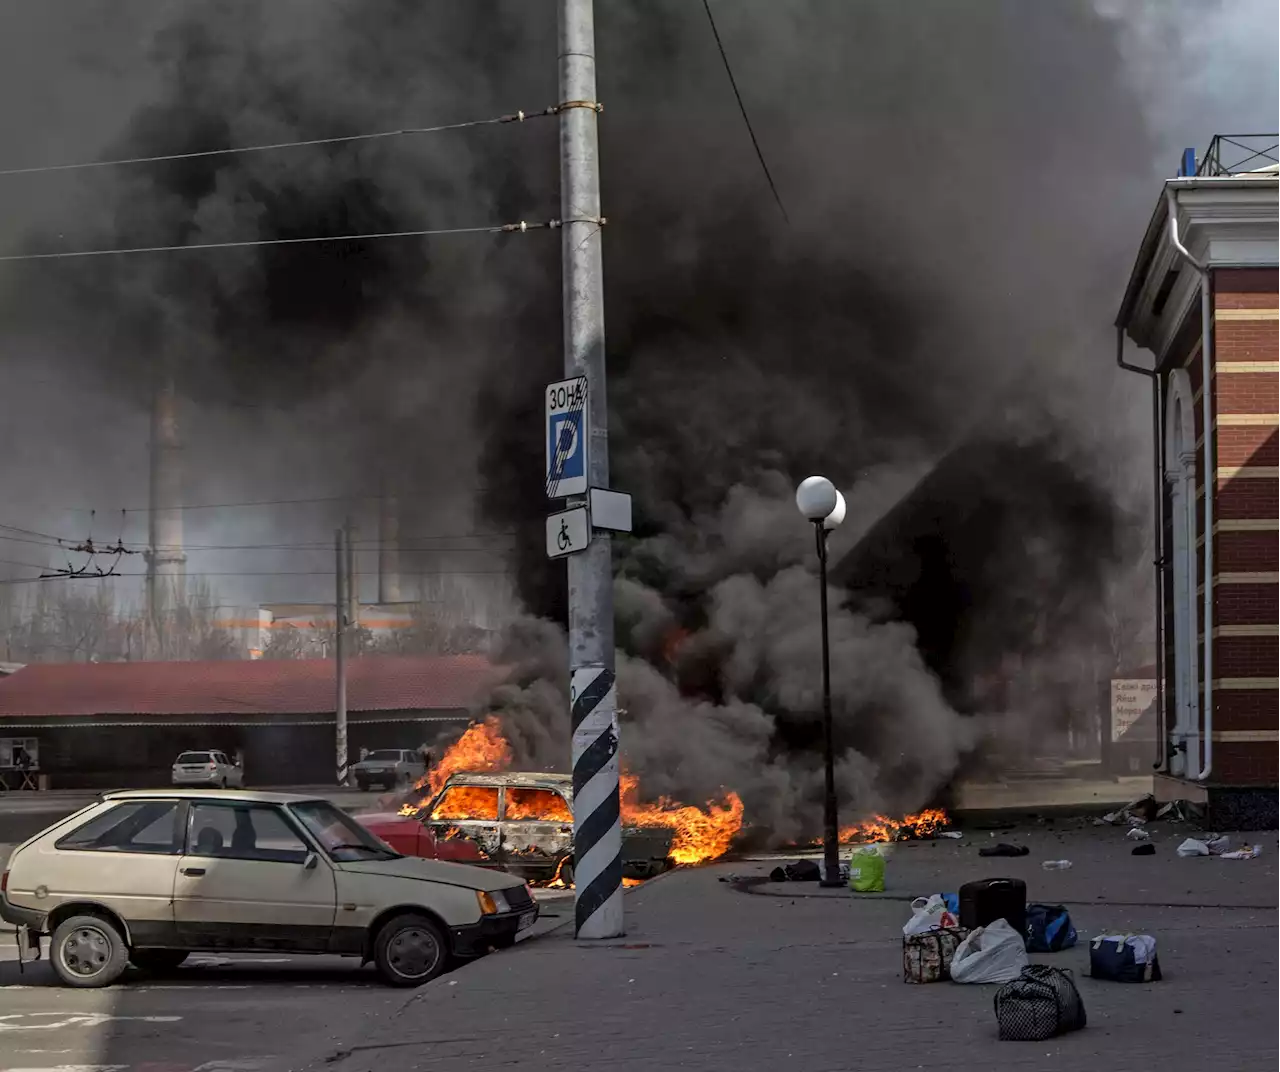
(965,186)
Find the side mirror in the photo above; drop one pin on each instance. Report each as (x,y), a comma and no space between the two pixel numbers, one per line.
(309,864)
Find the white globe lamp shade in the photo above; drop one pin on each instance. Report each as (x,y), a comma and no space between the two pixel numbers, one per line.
(834,519)
(816,497)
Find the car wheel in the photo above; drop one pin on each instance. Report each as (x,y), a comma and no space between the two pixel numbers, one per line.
(410,950)
(157,960)
(88,951)
(566,871)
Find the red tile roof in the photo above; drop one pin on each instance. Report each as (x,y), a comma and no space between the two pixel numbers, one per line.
(239,687)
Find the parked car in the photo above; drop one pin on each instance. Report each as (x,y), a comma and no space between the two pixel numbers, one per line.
(389,768)
(211,768)
(149,876)
(516,822)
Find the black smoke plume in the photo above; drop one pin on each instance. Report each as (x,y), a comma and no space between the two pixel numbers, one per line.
(964,184)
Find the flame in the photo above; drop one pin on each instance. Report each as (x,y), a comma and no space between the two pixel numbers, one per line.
(481,748)
(468,802)
(700,833)
(628,883)
(540,804)
(924,824)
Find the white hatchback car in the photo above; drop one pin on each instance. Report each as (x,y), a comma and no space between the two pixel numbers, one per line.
(207,768)
(148,876)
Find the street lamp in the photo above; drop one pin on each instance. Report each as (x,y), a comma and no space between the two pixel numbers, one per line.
(824,506)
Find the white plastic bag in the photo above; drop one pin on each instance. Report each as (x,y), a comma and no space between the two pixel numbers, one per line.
(1192,847)
(995,953)
(927,914)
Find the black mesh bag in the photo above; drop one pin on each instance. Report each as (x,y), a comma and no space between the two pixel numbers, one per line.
(1041,1003)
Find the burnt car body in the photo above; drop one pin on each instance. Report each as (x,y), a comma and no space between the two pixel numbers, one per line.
(517,822)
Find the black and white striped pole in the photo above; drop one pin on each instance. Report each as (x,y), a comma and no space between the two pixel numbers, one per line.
(823,506)
(597,824)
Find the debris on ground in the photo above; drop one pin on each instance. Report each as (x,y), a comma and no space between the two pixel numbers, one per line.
(1135,813)
(1040,1004)
(799,871)
(1209,845)
(1246,853)
(1004,849)
(954,835)
(1124,958)
(1145,849)
(995,953)
(1056,865)
(1137,833)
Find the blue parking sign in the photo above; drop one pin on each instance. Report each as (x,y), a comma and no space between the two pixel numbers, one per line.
(566,438)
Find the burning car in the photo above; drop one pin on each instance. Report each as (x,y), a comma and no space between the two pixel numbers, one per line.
(516,822)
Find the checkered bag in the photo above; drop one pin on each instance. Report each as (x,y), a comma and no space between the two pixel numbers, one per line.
(1040,1004)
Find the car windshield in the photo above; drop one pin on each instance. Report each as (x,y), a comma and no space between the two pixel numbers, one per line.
(385,755)
(343,838)
(193,757)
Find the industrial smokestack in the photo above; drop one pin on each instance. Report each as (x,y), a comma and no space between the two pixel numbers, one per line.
(166,562)
(389,550)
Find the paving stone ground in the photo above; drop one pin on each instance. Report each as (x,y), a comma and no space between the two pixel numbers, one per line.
(711,978)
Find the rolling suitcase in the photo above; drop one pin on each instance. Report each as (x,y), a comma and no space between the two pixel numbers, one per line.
(990,899)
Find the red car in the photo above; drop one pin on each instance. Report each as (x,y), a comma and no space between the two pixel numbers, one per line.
(407,834)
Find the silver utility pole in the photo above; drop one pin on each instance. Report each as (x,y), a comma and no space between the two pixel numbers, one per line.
(597,824)
(339,646)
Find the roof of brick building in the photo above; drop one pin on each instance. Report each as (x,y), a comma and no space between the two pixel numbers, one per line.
(240,687)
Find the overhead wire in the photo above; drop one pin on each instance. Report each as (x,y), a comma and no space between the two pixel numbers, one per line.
(512,117)
(505,228)
(742,107)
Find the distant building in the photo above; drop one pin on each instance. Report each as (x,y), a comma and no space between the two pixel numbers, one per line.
(120,725)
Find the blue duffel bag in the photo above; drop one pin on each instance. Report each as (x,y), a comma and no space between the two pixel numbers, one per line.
(1049,928)
(1124,958)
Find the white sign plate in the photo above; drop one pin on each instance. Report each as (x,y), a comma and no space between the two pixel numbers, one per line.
(1131,698)
(610,509)
(568,532)
(565,434)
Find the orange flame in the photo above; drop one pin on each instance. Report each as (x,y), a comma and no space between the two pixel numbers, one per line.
(481,748)
(700,833)
(924,824)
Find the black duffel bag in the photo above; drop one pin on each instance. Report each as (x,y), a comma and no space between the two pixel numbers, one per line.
(1041,1003)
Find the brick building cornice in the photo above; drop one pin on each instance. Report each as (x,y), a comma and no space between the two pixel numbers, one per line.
(1226,221)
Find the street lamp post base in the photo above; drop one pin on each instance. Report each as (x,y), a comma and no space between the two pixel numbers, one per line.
(830,884)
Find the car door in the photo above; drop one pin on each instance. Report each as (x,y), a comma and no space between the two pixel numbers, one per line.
(248,879)
(127,859)
(470,812)
(537,831)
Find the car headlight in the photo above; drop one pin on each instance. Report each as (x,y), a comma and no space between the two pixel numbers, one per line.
(492,903)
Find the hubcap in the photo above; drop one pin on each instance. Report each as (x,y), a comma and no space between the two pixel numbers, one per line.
(413,952)
(86,951)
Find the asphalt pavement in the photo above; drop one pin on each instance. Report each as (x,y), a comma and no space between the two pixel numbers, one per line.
(232,1013)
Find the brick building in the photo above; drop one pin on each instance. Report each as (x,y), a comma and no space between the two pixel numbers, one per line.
(1203,295)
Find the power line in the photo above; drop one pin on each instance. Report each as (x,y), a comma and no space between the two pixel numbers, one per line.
(403,544)
(504,228)
(743,109)
(325,573)
(514,117)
